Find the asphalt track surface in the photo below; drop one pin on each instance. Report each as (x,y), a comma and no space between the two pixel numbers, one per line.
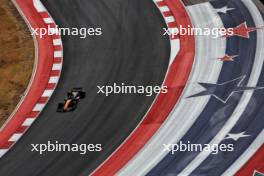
(193,2)
(232,117)
(181,118)
(131,50)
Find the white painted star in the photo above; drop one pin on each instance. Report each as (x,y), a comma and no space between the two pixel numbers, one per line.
(224,9)
(230,87)
(237,136)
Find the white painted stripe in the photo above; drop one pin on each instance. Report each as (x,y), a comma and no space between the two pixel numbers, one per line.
(174,30)
(175,48)
(39,107)
(57,67)
(53,31)
(48,20)
(39,6)
(260,139)
(57,42)
(164,9)
(54,79)
(251,150)
(181,118)
(169,19)
(28,121)
(245,99)
(47,93)
(2,152)
(15,137)
(57,54)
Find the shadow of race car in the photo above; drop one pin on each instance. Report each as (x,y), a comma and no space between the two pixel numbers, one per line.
(71,101)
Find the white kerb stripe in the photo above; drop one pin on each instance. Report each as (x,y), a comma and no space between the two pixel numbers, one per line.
(48,20)
(174,30)
(53,31)
(57,42)
(2,152)
(56,66)
(164,9)
(28,121)
(38,107)
(57,53)
(39,6)
(15,137)
(169,19)
(54,79)
(47,93)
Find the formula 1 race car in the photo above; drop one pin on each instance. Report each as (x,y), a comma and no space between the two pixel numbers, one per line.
(71,101)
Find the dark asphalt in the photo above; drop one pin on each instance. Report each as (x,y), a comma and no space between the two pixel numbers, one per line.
(193,2)
(131,50)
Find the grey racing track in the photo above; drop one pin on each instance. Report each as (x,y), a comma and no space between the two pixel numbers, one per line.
(132,50)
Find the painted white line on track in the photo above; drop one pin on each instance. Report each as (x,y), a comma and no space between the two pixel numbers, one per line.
(251,150)
(53,79)
(181,118)
(260,139)
(174,42)
(175,48)
(252,82)
(3,151)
